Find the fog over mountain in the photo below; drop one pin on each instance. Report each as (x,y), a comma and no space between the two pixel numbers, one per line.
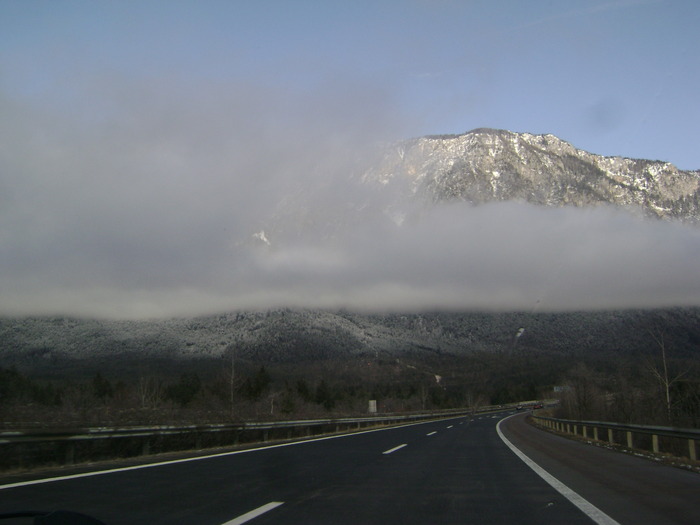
(489,220)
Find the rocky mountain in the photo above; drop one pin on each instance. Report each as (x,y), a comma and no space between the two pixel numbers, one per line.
(477,167)
(487,165)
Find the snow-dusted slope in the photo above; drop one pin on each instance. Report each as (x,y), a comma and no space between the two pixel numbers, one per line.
(297,336)
(481,166)
(497,165)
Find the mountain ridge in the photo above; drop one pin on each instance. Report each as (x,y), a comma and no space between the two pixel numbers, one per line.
(477,167)
(43,344)
(485,165)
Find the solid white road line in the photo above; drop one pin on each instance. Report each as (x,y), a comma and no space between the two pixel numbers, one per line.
(432,433)
(254,513)
(586,506)
(394,449)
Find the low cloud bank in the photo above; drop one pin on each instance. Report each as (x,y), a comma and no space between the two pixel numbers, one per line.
(149,208)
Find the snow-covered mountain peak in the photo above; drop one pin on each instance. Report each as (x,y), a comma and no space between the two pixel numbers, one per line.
(480,166)
(498,165)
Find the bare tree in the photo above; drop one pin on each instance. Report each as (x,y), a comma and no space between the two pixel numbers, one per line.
(272,397)
(583,397)
(230,356)
(662,375)
(150,392)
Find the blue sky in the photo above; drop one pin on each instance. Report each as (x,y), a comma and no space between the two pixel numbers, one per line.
(615,77)
(144,143)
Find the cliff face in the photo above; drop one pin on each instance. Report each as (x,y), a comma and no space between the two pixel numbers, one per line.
(487,165)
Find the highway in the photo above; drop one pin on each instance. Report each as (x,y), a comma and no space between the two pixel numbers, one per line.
(450,471)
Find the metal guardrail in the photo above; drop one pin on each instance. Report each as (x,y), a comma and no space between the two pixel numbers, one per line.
(590,430)
(23,448)
(61,434)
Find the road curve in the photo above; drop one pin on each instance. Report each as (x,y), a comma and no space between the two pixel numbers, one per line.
(630,489)
(450,471)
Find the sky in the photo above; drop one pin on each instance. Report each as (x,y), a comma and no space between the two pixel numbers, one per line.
(143,143)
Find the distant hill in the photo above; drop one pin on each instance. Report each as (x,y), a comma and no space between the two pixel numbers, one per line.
(54,345)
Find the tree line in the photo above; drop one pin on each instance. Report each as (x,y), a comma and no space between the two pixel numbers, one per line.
(658,388)
(199,397)
(639,392)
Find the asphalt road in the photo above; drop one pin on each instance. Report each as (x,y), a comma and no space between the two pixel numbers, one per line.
(630,489)
(452,471)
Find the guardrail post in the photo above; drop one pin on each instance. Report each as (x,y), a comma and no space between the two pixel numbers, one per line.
(145,447)
(629,430)
(70,454)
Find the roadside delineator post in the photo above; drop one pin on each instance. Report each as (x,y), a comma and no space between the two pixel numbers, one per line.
(691,450)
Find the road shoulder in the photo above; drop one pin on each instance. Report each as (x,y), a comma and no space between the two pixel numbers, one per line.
(629,489)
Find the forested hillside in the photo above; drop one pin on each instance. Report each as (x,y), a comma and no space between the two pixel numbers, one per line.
(40,345)
(299,362)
